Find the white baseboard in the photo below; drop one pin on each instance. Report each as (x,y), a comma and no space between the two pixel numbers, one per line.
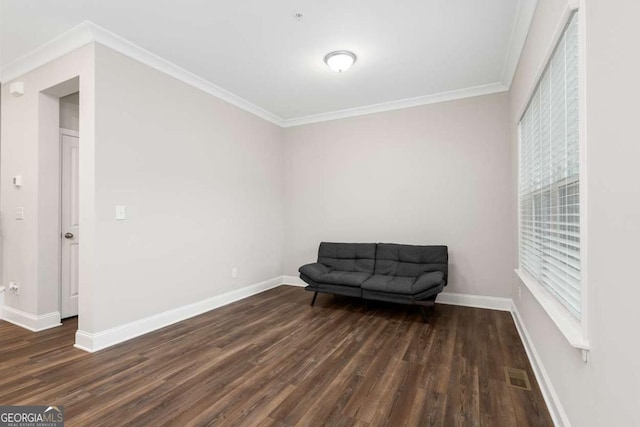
(293,281)
(477,301)
(91,342)
(503,304)
(1,301)
(466,300)
(556,410)
(98,341)
(31,321)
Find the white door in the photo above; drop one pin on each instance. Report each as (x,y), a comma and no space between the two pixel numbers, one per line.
(69,223)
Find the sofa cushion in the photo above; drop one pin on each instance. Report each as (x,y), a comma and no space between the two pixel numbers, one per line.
(314,271)
(358,257)
(427,281)
(345,278)
(409,260)
(393,284)
(403,285)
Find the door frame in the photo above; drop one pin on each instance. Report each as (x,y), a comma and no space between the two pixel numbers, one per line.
(74,133)
(34,121)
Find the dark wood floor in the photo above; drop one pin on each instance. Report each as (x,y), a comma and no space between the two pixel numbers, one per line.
(271,360)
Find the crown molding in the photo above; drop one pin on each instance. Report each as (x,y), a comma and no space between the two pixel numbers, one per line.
(88,32)
(398,105)
(521,25)
(127,48)
(55,48)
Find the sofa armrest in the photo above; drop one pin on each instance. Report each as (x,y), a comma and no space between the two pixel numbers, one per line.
(428,280)
(314,271)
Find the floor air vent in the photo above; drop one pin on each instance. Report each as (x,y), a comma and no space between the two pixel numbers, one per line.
(517,378)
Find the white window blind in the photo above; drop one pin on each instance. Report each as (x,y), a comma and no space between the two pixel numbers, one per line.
(549,176)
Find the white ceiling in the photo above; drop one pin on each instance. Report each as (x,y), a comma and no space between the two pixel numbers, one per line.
(257,50)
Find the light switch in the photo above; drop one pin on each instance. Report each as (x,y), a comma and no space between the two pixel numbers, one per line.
(121,212)
(20,213)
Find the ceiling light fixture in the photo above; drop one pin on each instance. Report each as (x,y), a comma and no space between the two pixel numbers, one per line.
(340,60)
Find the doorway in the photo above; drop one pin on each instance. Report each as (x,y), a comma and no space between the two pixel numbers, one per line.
(69,205)
(32,154)
(69,222)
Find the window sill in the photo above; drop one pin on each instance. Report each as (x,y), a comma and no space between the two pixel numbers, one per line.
(570,327)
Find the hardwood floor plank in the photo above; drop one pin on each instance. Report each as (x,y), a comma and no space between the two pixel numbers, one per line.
(329,405)
(462,396)
(272,360)
(252,411)
(406,396)
(360,406)
(529,408)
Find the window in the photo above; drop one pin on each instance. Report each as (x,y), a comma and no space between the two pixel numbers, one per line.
(549,185)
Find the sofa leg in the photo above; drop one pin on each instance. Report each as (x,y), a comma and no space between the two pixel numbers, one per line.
(423,311)
(426,307)
(313,301)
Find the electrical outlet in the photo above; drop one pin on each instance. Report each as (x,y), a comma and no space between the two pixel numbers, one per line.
(234,273)
(14,287)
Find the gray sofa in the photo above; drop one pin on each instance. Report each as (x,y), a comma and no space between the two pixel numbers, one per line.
(405,274)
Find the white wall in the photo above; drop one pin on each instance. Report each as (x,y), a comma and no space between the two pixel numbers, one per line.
(202,183)
(606,390)
(207,186)
(70,112)
(435,174)
(30,143)
(3,284)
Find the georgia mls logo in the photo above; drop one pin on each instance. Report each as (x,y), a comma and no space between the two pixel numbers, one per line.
(53,408)
(31,416)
